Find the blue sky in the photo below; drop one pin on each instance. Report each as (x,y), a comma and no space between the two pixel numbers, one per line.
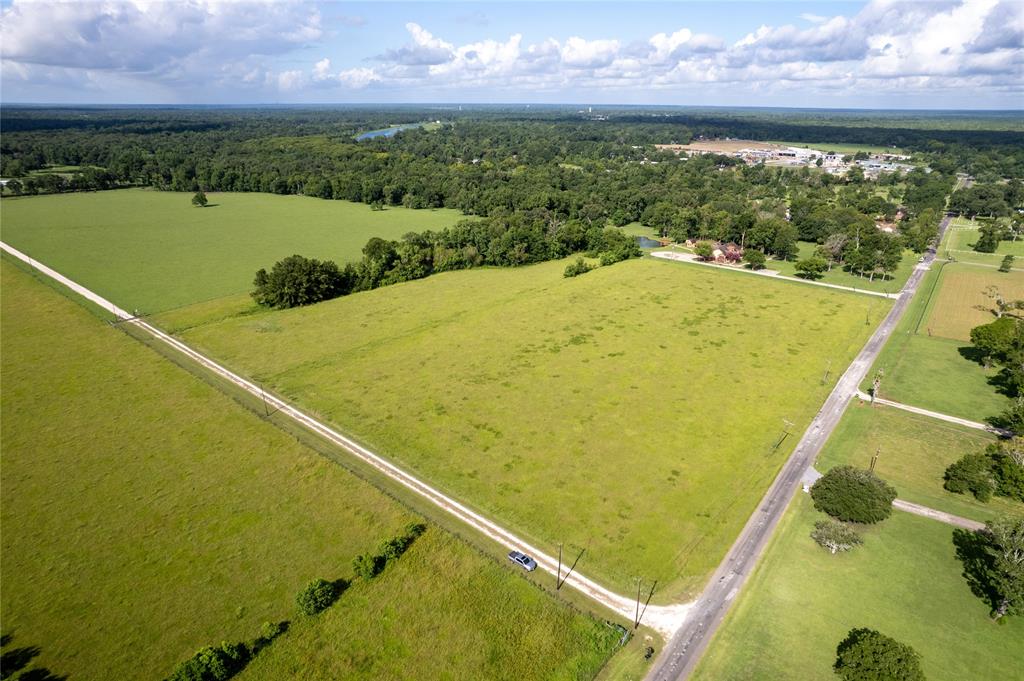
(881,54)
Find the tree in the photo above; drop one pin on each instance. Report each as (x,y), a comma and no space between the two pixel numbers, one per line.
(367,566)
(867,655)
(834,535)
(989,235)
(853,494)
(1007,264)
(810,268)
(704,250)
(317,596)
(754,258)
(199,199)
(971,473)
(1006,547)
(296,281)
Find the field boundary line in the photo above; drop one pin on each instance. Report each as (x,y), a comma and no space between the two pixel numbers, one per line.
(665,618)
(771,274)
(977,425)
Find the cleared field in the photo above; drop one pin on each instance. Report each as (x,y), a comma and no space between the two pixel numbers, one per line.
(932,372)
(155,251)
(913,453)
(632,411)
(145,514)
(892,284)
(959,242)
(960,302)
(905,581)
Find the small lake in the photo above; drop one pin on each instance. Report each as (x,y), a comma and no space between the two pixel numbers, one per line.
(386,132)
(644,242)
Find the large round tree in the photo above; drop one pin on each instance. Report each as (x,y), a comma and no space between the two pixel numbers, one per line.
(866,655)
(853,495)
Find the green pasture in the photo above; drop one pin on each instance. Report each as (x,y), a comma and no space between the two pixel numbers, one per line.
(891,284)
(913,454)
(843,148)
(958,244)
(904,581)
(145,514)
(154,250)
(930,371)
(631,411)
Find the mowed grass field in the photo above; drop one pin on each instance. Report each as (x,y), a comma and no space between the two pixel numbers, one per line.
(155,251)
(931,371)
(631,411)
(963,234)
(904,581)
(913,454)
(145,514)
(960,302)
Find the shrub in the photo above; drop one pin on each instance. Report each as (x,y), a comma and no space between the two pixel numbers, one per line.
(316,597)
(580,266)
(811,268)
(866,655)
(835,536)
(972,473)
(298,281)
(213,664)
(853,495)
(705,250)
(367,566)
(1007,264)
(754,258)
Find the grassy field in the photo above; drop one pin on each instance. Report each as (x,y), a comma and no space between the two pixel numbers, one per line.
(905,581)
(155,251)
(842,148)
(146,514)
(961,237)
(913,453)
(586,411)
(931,372)
(838,276)
(960,302)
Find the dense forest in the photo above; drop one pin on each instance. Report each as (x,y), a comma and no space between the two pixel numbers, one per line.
(544,181)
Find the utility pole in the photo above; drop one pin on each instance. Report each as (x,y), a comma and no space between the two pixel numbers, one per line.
(874,459)
(787,424)
(828,370)
(266,408)
(639,612)
(558,577)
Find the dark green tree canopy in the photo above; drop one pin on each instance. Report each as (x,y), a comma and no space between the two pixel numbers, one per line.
(317,596)
(867,655)
(199,199)
(853,495)
(298,281)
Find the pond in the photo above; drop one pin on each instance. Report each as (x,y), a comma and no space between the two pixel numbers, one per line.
(386,132)
(645,242)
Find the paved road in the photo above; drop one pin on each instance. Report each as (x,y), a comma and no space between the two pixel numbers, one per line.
(680,656)
(664,619)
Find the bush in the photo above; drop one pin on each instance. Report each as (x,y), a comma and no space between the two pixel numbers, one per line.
(213,664)
(972,473)
(811,268)
(866,655)
(853,495)
(1007,264)
(580,266)
(754,258)
(317,597)
(835,536)
(367,566)
(704,250)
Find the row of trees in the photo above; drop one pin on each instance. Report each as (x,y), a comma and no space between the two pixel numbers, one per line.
(998,469)
(990,200)
(509,241)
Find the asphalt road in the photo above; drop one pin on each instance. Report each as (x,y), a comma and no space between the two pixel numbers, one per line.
(680,656)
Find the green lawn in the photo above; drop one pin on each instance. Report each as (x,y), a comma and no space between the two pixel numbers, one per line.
(963,234)
(905,581)
(961,302)
(913,453)
(631,411)
(929,371)
(837,276)
(145,514)
(155,251)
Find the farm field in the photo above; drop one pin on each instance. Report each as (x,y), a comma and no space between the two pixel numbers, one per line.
(583,411)
(154,251)
(960,302)
(842,147)
(146,514)
(904,581)
(931,372)
(913,454)
(837,276)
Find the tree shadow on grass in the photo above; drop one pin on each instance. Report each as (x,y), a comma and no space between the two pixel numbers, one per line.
(16,660)
(972,354)
(977,562)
